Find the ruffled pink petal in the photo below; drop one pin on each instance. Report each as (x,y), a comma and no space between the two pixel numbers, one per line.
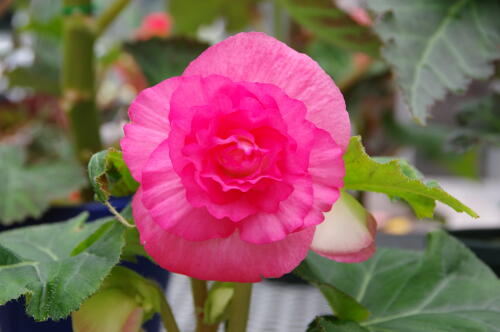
(219,204)
(348,233)
(326,168)
(229,259)
(256,57)
(270,227)
(293,113)
(165,197)
(149,125)
(193,92)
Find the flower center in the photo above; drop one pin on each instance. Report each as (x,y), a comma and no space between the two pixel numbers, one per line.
(240,157)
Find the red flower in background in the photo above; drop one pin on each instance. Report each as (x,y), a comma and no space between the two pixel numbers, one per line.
(155,25)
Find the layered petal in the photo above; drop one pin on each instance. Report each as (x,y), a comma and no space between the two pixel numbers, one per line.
(193,92)
(237,160)
(271,227)
(149,124)
(256,57)
(165,197)
(236,147)
(326,169)
(348,233)
(228,259)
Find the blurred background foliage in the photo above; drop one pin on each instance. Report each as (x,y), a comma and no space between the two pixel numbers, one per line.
(391,68)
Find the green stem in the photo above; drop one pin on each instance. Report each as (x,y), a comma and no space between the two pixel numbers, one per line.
(167,316)
(240,307)
(200,292)
(78,80)
(118,216)
(109,15)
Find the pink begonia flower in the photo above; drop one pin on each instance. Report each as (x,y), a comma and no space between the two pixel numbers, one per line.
(155,25)
(237,161)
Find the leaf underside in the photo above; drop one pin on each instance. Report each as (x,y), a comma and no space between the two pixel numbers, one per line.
(436,47)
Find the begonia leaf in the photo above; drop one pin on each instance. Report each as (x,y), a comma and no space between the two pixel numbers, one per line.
(27,190)
(110,176)
(446,288)
(218,299)
(161,59)
(436,47)
(395,178)
(57,266)
(332,324)
(236,14)
(323,18)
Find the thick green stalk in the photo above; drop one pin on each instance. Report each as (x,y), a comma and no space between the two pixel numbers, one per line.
(240,307)
(199,290)
(78,78)
(167,316)
(109,15)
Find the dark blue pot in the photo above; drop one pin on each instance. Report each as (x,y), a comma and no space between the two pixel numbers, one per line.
(12,315)
(485,243)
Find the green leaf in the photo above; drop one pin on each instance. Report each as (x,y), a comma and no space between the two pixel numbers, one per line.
(27,190)
(110,176)
(479,123)
(56,267)
(335,61)
(447,288)
(42,76)
(436,47)
(97,175)
(236,14)
(395,178)
(432,143)
(217,303)
(119,180)
(331,24)
(407,169)
(133,246)
(344,306)
(332,324)
(160,59)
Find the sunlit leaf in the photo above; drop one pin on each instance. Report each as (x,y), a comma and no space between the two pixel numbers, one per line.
(396,179)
